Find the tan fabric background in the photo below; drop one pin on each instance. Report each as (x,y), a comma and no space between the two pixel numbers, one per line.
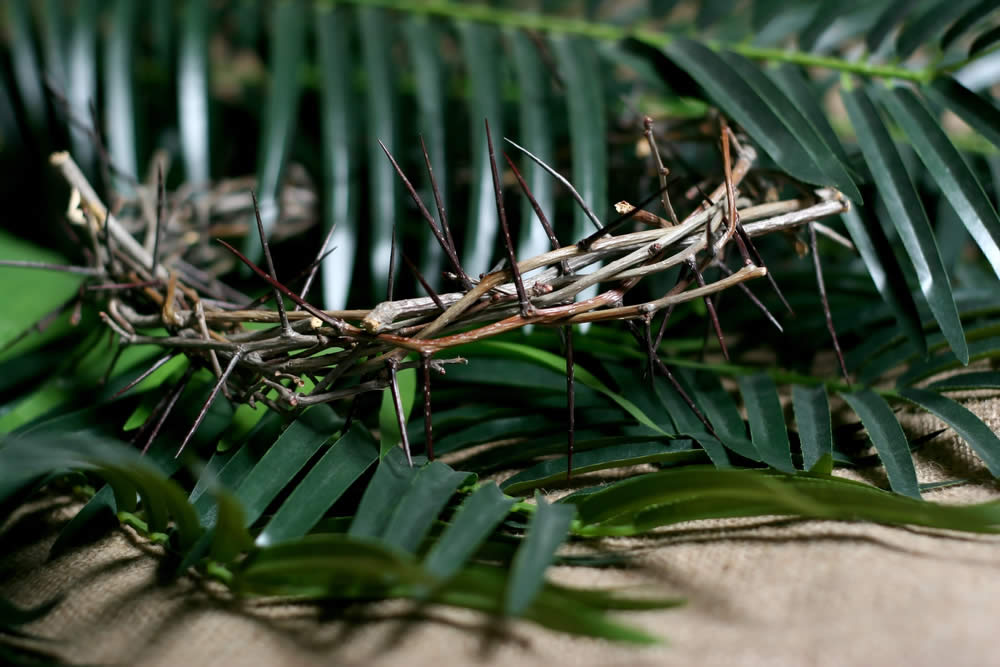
(761,592)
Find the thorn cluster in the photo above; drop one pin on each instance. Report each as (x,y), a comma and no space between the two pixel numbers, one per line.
(344,354)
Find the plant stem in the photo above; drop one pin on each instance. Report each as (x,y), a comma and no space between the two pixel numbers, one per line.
(607,32)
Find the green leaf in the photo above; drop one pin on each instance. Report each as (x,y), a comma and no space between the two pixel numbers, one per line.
(326,565)
(806,96)
(876,253)
(966,381)
(339,129)
(812,415)
(546,530)
(678,452)
(581,73)
(119,106)
(193,103)
(926,27)
(392,479)
(558,364)
(375,32)
(639,504)
(767,421)
(721,411)
(25,66)
(287,46)
(480,54)
(907,214)
(972,16)
(979,349)
(970,427)
(745,102)
(80,85)
(984,41)
(30,294)
(230,537)
(282,462)
(802,131)
(948,169)
(94,519)
(473,522)
(892,14)
(388,421)
(326,482)
(688,423)
(888,438)
(974,109)
(535,131)
(415,512)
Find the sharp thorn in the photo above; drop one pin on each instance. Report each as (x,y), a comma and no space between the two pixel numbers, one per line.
(279,302)
(527,310)
(208,402)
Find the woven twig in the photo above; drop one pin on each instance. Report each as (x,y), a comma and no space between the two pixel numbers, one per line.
(205,319)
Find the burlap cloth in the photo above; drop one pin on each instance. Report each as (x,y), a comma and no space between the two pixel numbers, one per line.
(760,591)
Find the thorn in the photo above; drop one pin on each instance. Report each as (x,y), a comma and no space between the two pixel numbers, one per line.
(539,213)
(619,221)
(174,395)
(439,201)
(428,428)
(448,248)
(712,314)
(158,231)
(397,403)
(286,328)
(309,308)
(145,374)
(665,370)
(114,361)
(650,350)
(211,399)
(562,179)
(760,262)
(314,267)
(423,282)
(826,303)
(392,265)
(570,401)
(527,310)
(753,298)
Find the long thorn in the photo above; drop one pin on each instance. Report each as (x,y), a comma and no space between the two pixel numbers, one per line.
(570,401)
(145,374)
(392,265)
(211,399)
(282,315)
(428,428)
(760,262)
(439,202)
(753,297)
(176,394)
(712,314)
(114,362)
(527,310)
(449,251)
(397,403)
(826,302)
(539,213)
(663,368)
(423,282)
(650,350)
(562,179)
(314,267)
(309,308)
(158,231)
